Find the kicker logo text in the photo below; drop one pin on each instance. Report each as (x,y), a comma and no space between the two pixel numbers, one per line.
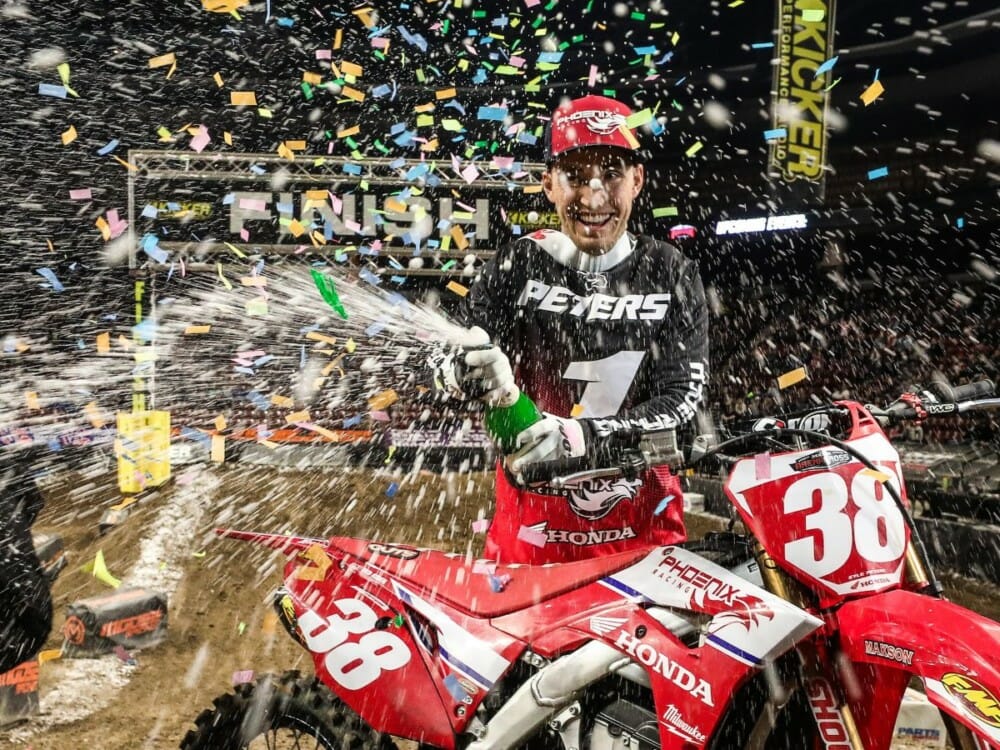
(558,299)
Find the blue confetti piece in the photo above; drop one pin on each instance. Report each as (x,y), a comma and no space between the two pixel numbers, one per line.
(525,137)
(551,57)
(392,489)
(54,445)
(381,90)
(875,174)
(286,208)
(352,421)
(960,222)
(877,72)
(258,399)
(775,134)
(354,169)
(196,435)
(228,199)
(244,370)
(50,276)
(286,22)
(257,169)
(146,330)
(761,45)
(455,688)
(492,113)
(108,147)
(662,506)
(370,277)
(417,40)
(261,361)
(828,65)
(649,50)
(340,257)
(49,89)
(398,279)
(480,76)
(375,329)
(150,211)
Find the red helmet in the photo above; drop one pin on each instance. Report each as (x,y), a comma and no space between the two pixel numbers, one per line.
(589,121)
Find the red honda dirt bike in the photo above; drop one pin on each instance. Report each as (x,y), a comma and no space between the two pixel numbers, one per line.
(804,633)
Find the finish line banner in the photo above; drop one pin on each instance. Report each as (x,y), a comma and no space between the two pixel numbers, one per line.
(799,97)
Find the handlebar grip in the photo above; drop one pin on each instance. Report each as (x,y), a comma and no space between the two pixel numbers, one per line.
(970,391)
(543,471)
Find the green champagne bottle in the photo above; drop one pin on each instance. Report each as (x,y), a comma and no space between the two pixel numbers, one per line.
(506,420)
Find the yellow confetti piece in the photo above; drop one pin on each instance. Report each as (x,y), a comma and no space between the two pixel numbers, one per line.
(49,654)
(103,342)
(576,411)
(445,93)
(236,251)
(94,414)
(285,152)
(243,98)
(129,166)
(395,205)
(532,189)
(218,79)
(219,448)
(31,399)
(227,137)
(675,38)
(454,286)
(256,306)
(69,135)
(318,562)
(872,93)
(736,3)
(338,38)
(52,247)
(792,377)
(349,68)
(282,401)
(365,16)
(220,423)
(196,330)
(298,416)
(317,336)
(459,236)
(296,145)
(222,277)
(350,93)
(162,60)
(354,130)
(383,400)
(313,79)
(102,225)
(879,476)
(633,142)
(350,346)
(694,148)
(223,6)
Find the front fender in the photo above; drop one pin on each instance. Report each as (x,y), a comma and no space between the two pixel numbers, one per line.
(954,650)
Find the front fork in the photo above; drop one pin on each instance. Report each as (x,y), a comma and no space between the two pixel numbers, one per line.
(833,715)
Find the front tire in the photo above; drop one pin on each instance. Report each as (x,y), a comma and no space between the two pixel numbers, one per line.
(282,711)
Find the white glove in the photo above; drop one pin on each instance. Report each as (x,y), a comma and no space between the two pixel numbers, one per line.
(549,439)
(466,372)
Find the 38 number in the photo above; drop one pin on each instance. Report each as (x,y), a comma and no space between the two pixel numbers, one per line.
(877,531)
(353,664)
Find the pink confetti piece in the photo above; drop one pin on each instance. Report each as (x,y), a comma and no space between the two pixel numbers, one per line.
(516,61)
(380,42)
(503,162)
(481,526)
(531,3)
(200,140)
(81,194)
(253,204)
(529,535)
(470,173)
(242,676)
(245,234)
(762,465)
(324,54)
(592,78)
(379,416)
(484,567)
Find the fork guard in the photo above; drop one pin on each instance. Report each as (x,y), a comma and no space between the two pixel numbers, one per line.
(952,649)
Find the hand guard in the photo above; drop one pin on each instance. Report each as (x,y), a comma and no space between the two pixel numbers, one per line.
(549,439)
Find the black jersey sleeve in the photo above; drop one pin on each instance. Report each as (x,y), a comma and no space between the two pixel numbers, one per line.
(492,300)
(681,363)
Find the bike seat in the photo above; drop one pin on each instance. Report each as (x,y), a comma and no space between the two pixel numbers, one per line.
(469,586)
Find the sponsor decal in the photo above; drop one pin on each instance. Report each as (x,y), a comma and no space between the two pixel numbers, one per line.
(762,224)
(822,459)
(533,219)
(596,306)
(23,678)
(889,651)
(393,550)
(182,209)
(145,622)
(732,604)
(597,121)
(674,721)
(646,654)
(828,719)
(940,408)
(767,423)
(74,630)
(817,421)
(595,498)
(606,625)
(872,581)
(918,733)
(584,538)
(978,701)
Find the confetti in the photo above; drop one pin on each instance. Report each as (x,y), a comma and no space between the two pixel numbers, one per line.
(792,377)
(694,148)
(69,135)
(454,286)
(50,276)
(826,66)
(532,536)
(878,173)
(662,505)
(762,465)
(775,134)
(873,92)
(243,98)
(663,211)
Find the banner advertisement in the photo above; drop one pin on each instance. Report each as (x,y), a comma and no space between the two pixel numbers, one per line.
(804,73)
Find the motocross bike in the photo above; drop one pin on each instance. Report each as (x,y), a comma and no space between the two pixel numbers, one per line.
(802,633)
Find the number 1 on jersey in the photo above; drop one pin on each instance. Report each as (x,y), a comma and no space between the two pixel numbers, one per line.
(608,382)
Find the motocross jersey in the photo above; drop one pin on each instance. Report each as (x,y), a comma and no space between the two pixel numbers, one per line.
(620,339)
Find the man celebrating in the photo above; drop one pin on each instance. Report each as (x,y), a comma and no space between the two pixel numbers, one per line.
(606,331)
